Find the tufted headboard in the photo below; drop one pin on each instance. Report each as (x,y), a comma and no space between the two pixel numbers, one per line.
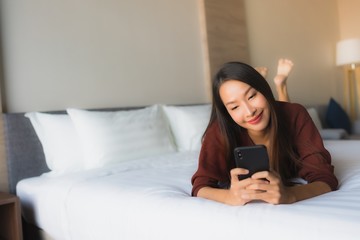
(24,154)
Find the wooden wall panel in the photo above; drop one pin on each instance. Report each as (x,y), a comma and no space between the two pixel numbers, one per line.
(226,32)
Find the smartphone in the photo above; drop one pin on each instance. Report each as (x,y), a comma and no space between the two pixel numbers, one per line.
(253,158)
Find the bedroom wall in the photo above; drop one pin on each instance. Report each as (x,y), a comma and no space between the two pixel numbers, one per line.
(349,18)
(304,31)
(98,53)
(89,53)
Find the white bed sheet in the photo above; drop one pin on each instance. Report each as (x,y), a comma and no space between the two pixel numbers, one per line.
(150,199)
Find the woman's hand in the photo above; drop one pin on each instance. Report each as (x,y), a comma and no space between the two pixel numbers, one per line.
(273,191)
(243,191)
(265,186)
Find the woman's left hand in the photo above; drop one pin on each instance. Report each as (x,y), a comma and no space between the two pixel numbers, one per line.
(273,192)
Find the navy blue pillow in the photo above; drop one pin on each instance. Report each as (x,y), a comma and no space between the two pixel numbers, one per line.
(336,117)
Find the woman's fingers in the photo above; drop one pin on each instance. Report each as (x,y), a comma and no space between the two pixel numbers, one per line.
(271,190)
(235,172)
(270,176)
(265,186)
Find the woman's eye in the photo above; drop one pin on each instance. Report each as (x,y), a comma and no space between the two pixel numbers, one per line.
(252,96)
(233,108)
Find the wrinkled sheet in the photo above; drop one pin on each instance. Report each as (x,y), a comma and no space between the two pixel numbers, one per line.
(150,199)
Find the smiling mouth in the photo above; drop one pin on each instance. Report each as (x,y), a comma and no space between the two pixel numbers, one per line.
(256,119)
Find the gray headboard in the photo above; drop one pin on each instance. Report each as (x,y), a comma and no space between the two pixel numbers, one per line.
(24,153)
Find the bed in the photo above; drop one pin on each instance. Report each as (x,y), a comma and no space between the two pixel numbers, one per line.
(146,193)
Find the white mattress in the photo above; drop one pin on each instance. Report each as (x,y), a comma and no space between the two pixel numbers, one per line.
(150,199)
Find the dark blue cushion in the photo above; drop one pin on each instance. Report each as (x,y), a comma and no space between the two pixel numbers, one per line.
(336,117)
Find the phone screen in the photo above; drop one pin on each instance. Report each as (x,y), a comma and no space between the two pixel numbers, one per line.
(252,158)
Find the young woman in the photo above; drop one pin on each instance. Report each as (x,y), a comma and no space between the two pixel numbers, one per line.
(245,113)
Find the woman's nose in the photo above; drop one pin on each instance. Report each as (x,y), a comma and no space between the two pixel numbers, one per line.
(250,110)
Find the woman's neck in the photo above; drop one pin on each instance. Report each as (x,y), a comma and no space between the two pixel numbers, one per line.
(260,137)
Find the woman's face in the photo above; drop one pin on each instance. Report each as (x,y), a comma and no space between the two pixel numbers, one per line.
(247,107)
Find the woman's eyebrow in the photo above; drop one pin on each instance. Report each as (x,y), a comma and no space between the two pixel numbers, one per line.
(228,103)
(248,90)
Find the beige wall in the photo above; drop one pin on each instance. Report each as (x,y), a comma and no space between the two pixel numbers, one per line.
(89,53)
(349,18)
(84,53)
(305,31)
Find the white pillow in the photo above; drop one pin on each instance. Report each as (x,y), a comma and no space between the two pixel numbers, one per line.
(111,137)
(188,124)
(315,117)
(59,140)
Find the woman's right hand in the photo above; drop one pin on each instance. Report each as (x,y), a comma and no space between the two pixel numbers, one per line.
(238,194)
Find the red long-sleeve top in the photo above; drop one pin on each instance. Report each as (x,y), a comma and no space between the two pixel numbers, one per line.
(213,167)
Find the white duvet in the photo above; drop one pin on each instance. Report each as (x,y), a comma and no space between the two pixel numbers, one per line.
(150,199)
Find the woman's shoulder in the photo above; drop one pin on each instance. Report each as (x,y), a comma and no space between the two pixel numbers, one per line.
(294,108)
(293,111)
(287,106)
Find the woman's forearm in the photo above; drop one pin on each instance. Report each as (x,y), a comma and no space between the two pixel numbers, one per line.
(216,194)
(290,195)
(302,192)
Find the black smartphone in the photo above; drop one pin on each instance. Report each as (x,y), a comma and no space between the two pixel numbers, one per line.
(253,158)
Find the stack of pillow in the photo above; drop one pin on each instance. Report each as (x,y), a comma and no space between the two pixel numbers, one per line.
(83,139)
